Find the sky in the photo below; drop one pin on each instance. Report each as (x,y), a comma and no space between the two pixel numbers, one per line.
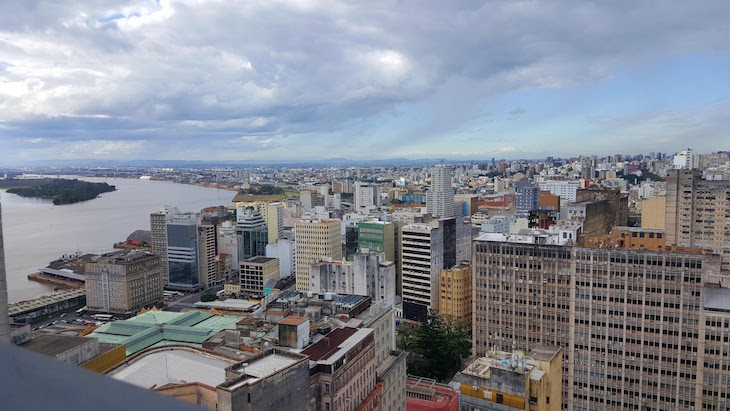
(307,79)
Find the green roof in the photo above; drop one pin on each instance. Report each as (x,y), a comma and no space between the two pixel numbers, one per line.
(156,328)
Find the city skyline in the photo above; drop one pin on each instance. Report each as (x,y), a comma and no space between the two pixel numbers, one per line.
(293,80)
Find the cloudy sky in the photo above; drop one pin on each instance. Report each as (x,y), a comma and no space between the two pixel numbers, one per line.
(308,79)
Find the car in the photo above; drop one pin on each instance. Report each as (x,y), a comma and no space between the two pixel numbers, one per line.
(63,315)
(54,322)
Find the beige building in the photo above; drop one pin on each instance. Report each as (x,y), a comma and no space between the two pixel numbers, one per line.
(256,272)
(123,281)
(629,321)
(697,212)
(455,294)
(158,229)
(653,213)
(315,240)
(504,381)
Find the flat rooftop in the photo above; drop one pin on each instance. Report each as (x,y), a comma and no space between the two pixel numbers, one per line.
(30,305)
(293,320)
(229,305)
(52,345)
(259,259)
(268,365)
(173,366)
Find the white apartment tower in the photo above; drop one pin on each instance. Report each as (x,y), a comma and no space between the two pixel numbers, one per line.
(366,197)
(684,160)
(440,198)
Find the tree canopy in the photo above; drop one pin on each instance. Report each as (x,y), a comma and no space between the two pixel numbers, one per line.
(435,347)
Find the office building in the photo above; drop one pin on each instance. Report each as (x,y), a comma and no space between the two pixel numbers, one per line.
(285,250)
(311,199)
(379,274)
(252,233)
(527,199)
(468,204)
(182,251)
(566,190)
(629,321)
(440,198)
(513,381)
(123,281)
(392,376)
(316,240)
(158,228)
(344,373)
(367,197)
(255,272)
(698,212)
(4,317)
(627,238)
(274,221)
(455,294)
(377,237)
(210,269)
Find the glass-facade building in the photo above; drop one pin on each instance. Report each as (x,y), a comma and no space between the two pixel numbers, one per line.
(182,251)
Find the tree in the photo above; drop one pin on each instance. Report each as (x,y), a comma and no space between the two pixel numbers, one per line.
(206,298)
(436,347)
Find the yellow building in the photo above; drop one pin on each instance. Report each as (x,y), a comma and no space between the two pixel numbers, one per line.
(653,212)
(515,381)
(455,294)
(627,238)
(316,240)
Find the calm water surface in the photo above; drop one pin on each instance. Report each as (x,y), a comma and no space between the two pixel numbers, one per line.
(36,232)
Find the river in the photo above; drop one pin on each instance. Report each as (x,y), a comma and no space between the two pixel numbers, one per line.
(36,232)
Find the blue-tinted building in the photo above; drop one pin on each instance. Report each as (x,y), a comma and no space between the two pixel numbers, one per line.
(182,251)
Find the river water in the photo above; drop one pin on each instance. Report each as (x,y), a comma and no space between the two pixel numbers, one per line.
(36,232)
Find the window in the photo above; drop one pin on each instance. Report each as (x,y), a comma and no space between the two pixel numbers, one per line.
(500,399)
(547,400)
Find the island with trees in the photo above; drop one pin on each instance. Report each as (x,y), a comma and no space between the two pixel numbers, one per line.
(61,191)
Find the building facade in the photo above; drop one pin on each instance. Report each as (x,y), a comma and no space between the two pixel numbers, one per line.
(628,320)
(566,190)
(698,212)
(316,240)
(123,281)
(158,229)
(252,234)
(377,237)
(367,197)
(455,294)
(440,198)
(182,251)
(527,198)
(255,272)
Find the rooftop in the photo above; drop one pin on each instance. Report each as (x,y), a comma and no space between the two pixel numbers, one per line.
(230,304)
(259,259)
(30,305)
(123,257)
(267,365)
(330,344)
(294,320)
(52,345)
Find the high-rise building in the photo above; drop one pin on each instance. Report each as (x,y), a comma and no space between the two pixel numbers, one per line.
(252,234)
(311,199)
(379,276)
(367,197)
(158,228)
(684,160)
(527,198)
(698,212)
(426,249)
(377,237)
(274,221)
(256,272)
(316,240)
(182,251)
(285,251)
(440,198)
(4,318)
(455,294)
(210,270)
(566,190)
(123,281)
(631,322)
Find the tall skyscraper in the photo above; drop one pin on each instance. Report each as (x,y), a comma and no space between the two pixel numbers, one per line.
(698,212)
(634,324)
(158,228)
(252,233)
(4,318)
(182,251)
(440,198)
(315,240)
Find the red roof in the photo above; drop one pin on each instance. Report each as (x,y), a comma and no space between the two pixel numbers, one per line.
(293,320)
(328,345)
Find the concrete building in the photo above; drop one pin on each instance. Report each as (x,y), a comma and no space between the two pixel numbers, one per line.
(684,160)
(455,294)
(379,274)
(503,381)
(628,320)
(209,267)
(252,234)
(336,277)
(343,371)
(255,272)
(566,190)
(294,332)
(391,373)
(423,394)
(527,198)
(228,241)
(4,317)
(316,240)
(274,221)
(68,349)
(123,281)
(285,250)
(367,197)
(158,229)
(627,238)
(698,212)
(440,198)
(467,203)
(653,213)
(182,251)
(311,199)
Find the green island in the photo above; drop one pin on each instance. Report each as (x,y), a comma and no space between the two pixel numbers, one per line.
(61,191)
